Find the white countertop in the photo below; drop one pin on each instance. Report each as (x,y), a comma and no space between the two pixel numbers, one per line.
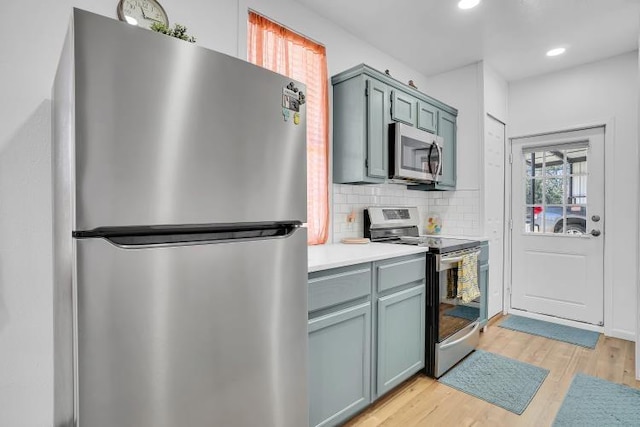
(324,257)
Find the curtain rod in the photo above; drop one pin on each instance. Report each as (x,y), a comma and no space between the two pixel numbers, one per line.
(288,28)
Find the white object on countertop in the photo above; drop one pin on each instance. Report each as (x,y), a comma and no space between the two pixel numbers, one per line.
(324,257)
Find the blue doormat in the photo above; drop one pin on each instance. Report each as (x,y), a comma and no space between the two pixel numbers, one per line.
(554,331)
(464,311)
(504,382)
(593,401)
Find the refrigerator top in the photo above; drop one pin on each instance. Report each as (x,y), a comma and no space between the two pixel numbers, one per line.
(203,139)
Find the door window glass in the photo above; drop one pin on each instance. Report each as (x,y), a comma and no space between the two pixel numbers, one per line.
(556,189)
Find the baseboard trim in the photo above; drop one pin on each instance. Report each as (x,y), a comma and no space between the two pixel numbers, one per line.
(623,335)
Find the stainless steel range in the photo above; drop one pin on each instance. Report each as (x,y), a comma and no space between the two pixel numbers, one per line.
(453,327)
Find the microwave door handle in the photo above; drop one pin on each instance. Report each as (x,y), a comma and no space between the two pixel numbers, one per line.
(439,161)
(429,161)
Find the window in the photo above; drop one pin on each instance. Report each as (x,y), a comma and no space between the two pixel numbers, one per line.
(556,189)
(279,49)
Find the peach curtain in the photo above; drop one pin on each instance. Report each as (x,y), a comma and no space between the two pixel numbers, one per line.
(279,49)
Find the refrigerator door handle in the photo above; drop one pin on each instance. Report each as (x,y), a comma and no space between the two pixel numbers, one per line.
(143,238)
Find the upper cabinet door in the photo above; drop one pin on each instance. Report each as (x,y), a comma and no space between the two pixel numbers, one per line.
(447,130)
(427,117)
(403,108)
(377,134)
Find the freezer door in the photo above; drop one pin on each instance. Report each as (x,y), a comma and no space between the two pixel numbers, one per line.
(201,335)
(172,133)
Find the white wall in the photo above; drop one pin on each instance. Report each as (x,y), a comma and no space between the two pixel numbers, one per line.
(30,49)
(589,94)
(496,93)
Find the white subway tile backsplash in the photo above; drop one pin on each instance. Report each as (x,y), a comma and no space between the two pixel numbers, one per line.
(339,199)
(459,210)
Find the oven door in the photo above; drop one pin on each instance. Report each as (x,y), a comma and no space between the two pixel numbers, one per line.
(455,348)
(458,324)
(417,155)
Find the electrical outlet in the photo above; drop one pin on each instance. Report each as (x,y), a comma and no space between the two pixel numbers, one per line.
(351,217)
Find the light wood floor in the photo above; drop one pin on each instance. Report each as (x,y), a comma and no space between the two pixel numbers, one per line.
(422,401)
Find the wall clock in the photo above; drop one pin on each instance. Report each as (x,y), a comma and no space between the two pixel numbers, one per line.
(142,13)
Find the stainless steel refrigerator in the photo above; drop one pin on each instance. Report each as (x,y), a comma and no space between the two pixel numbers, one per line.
(180,262)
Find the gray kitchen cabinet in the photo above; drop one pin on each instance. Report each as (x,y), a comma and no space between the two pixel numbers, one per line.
(339,365)
(339,343)
(365,102)
(358,351)
(360,120)
(404,108)
(400,337)
(399,334)
(447,130)
(377,136)
(427,117)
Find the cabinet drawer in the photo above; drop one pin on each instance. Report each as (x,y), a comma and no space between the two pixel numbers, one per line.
(400,272)
(337,286)
(484,254)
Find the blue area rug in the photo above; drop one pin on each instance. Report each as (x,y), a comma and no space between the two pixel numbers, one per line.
(554,331)
(596,402)
(505,382)
(464,311)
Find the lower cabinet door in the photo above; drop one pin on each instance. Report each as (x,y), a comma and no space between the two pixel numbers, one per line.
(401,335)
(339,365)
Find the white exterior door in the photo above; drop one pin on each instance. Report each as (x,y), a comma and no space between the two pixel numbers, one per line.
(494,210)
(557,206)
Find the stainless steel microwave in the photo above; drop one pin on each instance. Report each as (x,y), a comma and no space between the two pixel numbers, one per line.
(415,156)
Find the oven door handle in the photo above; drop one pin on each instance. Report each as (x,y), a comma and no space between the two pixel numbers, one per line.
(446,263)
(459,340)
(452,260)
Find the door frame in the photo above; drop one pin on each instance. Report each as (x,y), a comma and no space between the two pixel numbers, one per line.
(506,212)
(609,141)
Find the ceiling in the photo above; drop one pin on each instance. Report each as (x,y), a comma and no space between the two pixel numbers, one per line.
(513,36)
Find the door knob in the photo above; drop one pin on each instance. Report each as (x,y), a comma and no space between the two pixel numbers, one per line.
(595,218)
(595,233)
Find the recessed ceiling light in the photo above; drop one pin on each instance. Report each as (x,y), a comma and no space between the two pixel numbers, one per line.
(468,4)
(557,51)
(131,20)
